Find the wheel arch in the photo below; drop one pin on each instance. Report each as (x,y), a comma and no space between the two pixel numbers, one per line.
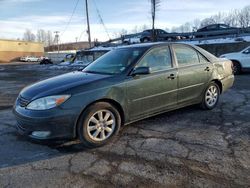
(218,82)
(236,61)
(146,37)
(116,104)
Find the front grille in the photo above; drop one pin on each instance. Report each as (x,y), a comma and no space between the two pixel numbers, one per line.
(22,101)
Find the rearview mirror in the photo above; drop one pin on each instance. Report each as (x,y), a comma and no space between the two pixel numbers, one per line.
(141,71)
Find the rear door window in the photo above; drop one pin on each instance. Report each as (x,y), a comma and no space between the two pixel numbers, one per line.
(185,55)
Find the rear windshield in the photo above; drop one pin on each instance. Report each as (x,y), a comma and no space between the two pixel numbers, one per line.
(208,55)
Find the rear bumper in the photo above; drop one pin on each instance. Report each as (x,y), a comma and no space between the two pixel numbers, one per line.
(227,82)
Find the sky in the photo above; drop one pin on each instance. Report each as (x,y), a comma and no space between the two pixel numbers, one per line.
(18,15)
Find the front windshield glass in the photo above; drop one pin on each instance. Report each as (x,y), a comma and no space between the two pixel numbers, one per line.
(115,61)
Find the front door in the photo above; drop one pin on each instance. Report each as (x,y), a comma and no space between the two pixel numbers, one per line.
(156,91)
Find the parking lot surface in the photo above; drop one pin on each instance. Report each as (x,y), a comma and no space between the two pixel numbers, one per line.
(189,147)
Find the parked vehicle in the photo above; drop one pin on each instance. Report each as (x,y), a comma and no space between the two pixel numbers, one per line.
(160,35)
(45,60)
(30,59)
(147,36)
(69,57)
(85,57)
(215,30)
(124,85)
(241,60)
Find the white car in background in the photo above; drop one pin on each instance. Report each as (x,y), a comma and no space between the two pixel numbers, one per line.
(30,59)
(241,60)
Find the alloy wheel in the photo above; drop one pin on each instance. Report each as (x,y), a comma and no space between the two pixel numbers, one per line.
(101,125)
(211,96)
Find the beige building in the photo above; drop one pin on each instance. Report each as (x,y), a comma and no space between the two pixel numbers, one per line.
(11,50)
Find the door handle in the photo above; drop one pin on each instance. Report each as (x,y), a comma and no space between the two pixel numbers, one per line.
(207,69)
(171,76)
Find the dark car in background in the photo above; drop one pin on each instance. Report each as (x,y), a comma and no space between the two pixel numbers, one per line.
(215,30)
(160,35)
(124,85)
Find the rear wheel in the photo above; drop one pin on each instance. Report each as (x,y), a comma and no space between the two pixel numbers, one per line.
(98,124)
(236,67)
(146,39)
(211,96)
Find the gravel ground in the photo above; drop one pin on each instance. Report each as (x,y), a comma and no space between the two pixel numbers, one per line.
(184,148)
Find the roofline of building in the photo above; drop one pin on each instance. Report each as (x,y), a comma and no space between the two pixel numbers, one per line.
(12,40)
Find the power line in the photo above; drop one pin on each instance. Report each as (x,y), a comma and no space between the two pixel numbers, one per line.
(66,27)
(79,38)
(101,20)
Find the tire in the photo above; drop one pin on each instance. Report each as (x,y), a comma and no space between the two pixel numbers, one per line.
(96,127)
(211,96)
(29,60)
(236,68)
(145,39)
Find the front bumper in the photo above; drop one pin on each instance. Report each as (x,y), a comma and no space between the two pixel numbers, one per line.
(58,123)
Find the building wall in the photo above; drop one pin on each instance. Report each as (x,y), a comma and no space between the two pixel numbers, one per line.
(11,50)
(68,46)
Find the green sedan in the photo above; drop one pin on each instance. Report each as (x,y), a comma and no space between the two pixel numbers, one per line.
(125,85)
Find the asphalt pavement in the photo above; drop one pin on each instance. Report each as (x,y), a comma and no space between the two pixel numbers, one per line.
(189,147)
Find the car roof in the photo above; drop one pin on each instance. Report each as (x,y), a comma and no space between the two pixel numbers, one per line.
(218,24)
(150,44)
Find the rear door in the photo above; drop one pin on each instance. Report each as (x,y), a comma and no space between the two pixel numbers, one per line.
(245,58)
(156,91)
(194,71)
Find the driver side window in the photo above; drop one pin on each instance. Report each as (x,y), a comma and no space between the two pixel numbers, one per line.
(157,59)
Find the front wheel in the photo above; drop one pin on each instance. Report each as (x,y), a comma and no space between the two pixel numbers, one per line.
(211,96)
(146,39)
(98,124)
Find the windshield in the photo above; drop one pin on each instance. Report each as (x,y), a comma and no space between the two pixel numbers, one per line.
(85,58)
(115,61)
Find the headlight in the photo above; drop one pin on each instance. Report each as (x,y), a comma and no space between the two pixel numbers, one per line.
(47,102)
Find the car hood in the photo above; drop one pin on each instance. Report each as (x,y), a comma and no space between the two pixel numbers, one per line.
(229,55)
(59,84)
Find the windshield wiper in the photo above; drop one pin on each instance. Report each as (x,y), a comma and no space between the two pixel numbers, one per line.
(95,72)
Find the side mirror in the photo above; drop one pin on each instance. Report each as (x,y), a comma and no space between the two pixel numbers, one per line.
(141,71)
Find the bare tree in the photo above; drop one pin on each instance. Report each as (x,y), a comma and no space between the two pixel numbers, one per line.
(144,27)
(235,18)
(41,36)
(232,18)
(49,39)
(196,24)
(123,32)
(29,36)
(154,5)
(244,17)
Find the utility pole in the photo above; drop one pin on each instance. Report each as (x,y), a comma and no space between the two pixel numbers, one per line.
(88,30)
(57,40)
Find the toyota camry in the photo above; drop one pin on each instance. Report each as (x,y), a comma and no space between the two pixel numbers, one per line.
(125,85)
